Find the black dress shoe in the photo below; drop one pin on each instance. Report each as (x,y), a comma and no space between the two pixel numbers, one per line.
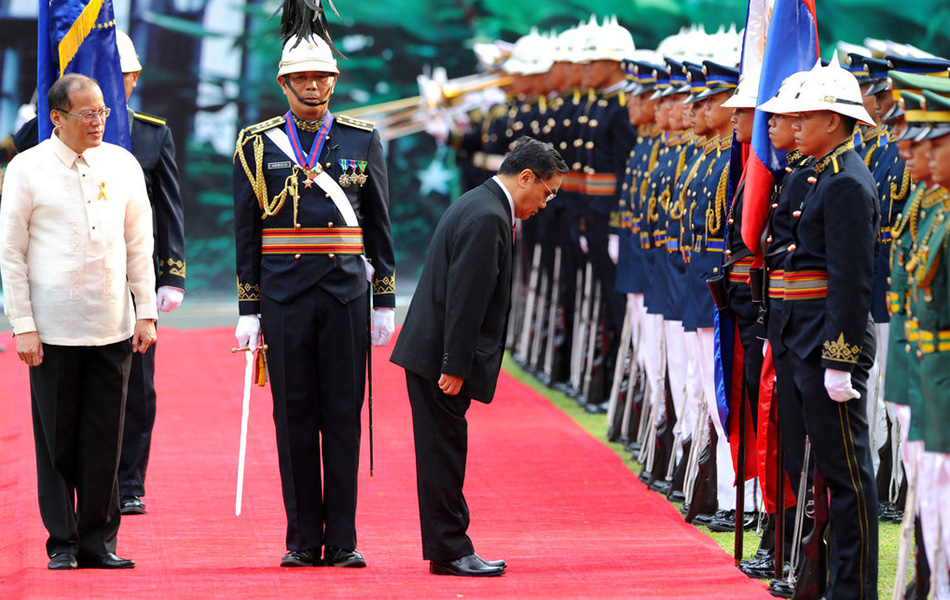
(103,561)
(467,566)
(337,557)
(302,558)
(131,505)
(492,563)
(62,561)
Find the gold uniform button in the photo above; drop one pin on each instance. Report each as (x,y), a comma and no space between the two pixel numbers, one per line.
(296,256)
(330,255)
(297,226)
(330,224)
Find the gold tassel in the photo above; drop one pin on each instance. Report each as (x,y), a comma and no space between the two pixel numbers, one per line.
(84,23)
(260,363)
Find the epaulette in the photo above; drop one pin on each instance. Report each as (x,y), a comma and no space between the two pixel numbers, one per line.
(351,122)
(147,118)
(264,126)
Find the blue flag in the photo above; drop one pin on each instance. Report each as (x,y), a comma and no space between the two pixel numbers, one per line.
(78,36)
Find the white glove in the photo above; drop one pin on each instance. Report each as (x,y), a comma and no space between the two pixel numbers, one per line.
(384,324)
(248,331)
(168,298)
(613,247)
(583,243)
(838,385)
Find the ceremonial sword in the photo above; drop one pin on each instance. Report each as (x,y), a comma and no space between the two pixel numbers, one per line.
(245,410)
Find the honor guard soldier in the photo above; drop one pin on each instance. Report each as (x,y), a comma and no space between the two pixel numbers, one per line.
(902,382)
(928,268)
(825,321)
(630,272)
(893,182)
(706,205)
(787,196)
(311,226)
(154,148)
(607,139)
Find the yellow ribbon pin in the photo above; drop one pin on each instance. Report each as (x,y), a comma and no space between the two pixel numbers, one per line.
(102,191)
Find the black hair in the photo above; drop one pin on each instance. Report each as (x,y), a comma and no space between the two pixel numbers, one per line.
(58,96)
(848,122)
(540,158)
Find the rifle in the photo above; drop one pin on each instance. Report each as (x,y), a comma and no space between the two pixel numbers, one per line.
(613,422)
(813,575)
(537,330)
(524,346)
(581,311)
(704,499)
(591,343)
(547,376)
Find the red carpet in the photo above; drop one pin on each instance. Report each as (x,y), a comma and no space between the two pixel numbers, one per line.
(560,507)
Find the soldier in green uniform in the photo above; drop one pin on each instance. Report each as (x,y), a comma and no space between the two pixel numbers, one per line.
(928,269)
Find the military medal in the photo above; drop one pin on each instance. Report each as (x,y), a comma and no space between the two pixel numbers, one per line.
(362,177)
(345,179)
(308,162)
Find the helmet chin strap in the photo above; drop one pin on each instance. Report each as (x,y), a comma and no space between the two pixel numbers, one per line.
(309,102)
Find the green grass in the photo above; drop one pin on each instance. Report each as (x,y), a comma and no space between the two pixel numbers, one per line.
(597,427)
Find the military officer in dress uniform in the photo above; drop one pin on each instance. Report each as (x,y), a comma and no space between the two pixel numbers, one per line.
(825,321)
(154,148)
(311,226)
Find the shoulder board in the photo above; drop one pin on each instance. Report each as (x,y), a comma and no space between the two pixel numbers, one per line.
(264,125)
(147,118)
(351,122)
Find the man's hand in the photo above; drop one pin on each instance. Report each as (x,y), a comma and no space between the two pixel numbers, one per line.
(613,247)
(144,335)
(168,298)
(450,384)
(248,332)
(582,242)
(29,348)
(838,385)
(384,324)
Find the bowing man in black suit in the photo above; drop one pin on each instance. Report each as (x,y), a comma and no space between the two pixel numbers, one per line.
(451,344)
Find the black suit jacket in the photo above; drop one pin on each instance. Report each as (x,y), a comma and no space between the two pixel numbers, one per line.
(457,319)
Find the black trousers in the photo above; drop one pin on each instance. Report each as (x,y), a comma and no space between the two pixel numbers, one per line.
(78,398)
(441,437)
(839,436)
(317,352)
(139,421)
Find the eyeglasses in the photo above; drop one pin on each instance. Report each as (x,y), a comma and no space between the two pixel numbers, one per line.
(90,117)
(551,193)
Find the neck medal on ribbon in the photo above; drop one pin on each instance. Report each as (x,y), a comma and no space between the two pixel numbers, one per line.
(309,161)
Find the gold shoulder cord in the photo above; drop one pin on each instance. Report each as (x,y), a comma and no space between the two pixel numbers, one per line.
(678,207)
(259,184)
(898,195)
(680,166)
(716,214)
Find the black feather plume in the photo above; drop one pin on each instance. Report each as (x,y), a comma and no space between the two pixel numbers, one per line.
(305,18)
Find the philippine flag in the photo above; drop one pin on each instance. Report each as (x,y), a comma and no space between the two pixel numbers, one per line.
(789,46)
